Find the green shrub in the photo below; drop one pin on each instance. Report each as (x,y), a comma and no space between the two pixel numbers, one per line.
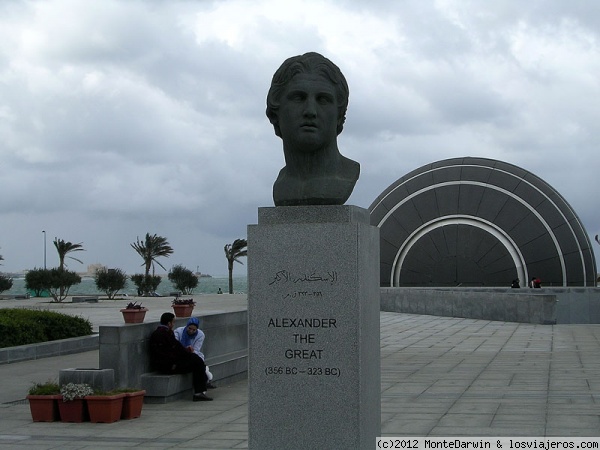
(110,281)
(146,284)
(26,326)
(5,283)
(57,281)
(128,390)
(183,279)
(38,280)
(62,281)
(50,387)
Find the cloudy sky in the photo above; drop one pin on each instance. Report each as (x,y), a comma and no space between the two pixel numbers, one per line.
(119,118)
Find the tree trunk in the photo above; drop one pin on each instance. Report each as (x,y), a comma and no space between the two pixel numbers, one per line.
(62,267)
(230,267)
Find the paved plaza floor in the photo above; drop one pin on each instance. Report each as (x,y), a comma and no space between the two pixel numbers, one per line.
(440,376)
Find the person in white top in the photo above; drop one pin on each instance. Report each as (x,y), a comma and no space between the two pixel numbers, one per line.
(192,338)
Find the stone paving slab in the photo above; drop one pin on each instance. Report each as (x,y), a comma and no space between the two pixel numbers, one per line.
(440,377)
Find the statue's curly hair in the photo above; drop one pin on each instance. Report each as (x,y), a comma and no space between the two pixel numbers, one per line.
(308,63)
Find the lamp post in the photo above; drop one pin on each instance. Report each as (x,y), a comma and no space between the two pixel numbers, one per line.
(43,231)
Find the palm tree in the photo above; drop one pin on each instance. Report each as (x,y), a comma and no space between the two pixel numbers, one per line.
(151,248)
(63,248)
(232,253)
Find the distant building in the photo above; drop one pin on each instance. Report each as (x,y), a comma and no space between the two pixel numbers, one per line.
(479,222)
(93,268)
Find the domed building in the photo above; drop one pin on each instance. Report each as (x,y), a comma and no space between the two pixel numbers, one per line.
(479,222)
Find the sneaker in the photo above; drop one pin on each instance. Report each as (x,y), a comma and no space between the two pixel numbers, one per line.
(201,397)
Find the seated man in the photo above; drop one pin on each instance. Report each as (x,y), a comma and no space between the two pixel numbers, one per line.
(192,338)
(167,355)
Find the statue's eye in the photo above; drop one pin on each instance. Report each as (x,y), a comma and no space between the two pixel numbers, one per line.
(296,96)
(324,99)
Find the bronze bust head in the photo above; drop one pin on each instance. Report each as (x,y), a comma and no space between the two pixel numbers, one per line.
(307,105)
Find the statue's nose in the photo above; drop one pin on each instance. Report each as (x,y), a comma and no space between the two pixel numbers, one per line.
(310,107)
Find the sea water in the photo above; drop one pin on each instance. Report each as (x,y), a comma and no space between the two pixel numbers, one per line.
(206,285)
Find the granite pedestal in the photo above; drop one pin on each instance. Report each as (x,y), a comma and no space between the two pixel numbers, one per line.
(313,310)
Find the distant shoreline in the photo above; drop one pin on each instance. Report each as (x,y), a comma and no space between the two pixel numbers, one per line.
(206,285)
(21,275)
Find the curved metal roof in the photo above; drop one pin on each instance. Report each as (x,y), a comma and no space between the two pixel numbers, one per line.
(479,222)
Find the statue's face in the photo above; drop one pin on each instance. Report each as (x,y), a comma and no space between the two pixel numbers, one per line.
(308,113)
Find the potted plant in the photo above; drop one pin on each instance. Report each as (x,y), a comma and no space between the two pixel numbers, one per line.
(134,312)
(72,408)
(105,407)
(43,401)
(183,307)
(132,403)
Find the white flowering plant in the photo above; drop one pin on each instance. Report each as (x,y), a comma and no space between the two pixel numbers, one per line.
(72,391)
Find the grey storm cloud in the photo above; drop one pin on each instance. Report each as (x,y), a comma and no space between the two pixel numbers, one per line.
(121,118)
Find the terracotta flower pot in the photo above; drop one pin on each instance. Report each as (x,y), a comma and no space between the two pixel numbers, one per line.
(44,408)
(134,315)
(132,405)
(105,408)
(73,411)
(183,310)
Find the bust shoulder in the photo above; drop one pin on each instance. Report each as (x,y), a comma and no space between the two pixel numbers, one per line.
(349,169)
(322,189)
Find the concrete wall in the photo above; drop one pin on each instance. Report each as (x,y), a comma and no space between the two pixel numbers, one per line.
(543,306)
(124,348)
(46,349)
(577,304)
(471,303)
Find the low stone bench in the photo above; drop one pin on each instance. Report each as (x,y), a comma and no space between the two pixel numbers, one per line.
(124,348)
(161,388)
(14,296)
(85,299)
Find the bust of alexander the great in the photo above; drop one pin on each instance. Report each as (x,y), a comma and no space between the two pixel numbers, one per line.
(307,105)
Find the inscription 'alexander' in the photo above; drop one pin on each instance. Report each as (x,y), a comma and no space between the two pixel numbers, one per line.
(291,322)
